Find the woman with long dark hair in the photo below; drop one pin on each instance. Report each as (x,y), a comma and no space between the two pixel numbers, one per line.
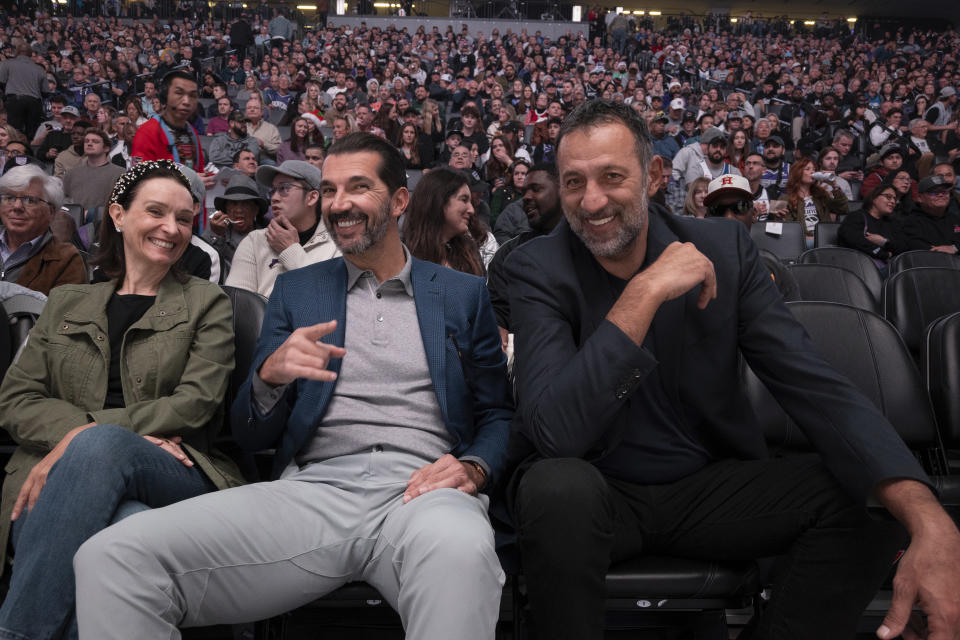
(387,120)
(905,186)
(437,223)
(497,169)
(134,110)
(409,146)
(737,148)
(293,147)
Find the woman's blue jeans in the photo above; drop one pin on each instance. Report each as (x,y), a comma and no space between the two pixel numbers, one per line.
(106,474)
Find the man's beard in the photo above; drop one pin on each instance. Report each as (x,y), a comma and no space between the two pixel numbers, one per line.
(632,221)
(374,229)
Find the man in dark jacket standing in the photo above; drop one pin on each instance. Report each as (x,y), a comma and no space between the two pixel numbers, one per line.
(241,36)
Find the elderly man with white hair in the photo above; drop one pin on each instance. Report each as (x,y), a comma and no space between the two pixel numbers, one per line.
(29,254)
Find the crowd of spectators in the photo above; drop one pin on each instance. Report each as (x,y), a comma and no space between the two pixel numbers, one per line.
(817,120)
(197,147)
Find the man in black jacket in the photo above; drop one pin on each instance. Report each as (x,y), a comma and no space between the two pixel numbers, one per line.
(241,36)
(933,224)
(629,323)
(541,203)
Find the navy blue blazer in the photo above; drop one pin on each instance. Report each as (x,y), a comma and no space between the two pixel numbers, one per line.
(576,370)
(460,338)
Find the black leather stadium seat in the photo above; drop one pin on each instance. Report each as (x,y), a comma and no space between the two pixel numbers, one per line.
(825,234)
(914,298)
(248,311)
(18,313)
(22,311)
(6,344)
(787,246)
(870,352)
(782,278)
(924,258)
(941,369)
(827,283)
(860,263)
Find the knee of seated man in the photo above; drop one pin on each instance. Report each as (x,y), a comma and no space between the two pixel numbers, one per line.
(561,485)
(827,503)
(451,528)
(101,554)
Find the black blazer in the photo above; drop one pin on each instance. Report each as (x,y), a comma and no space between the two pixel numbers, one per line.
(575,370)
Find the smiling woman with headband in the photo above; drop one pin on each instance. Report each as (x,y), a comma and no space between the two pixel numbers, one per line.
(115,400)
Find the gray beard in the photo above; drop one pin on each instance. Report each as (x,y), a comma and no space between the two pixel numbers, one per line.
(628,232)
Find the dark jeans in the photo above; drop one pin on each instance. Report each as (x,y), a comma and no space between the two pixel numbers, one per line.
(24,113)
(574,522)
(106,473)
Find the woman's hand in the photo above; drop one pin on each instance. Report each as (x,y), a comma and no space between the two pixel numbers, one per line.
(37,477)
(875,238)
(172,446)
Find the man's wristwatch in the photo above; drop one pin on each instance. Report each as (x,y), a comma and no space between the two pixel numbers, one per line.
(483,474)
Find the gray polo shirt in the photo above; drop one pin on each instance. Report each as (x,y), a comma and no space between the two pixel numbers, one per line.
(384,394)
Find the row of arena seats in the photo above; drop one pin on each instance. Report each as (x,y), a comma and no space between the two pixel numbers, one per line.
(789,245)
(911,298)
(858,342)
(790,242)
